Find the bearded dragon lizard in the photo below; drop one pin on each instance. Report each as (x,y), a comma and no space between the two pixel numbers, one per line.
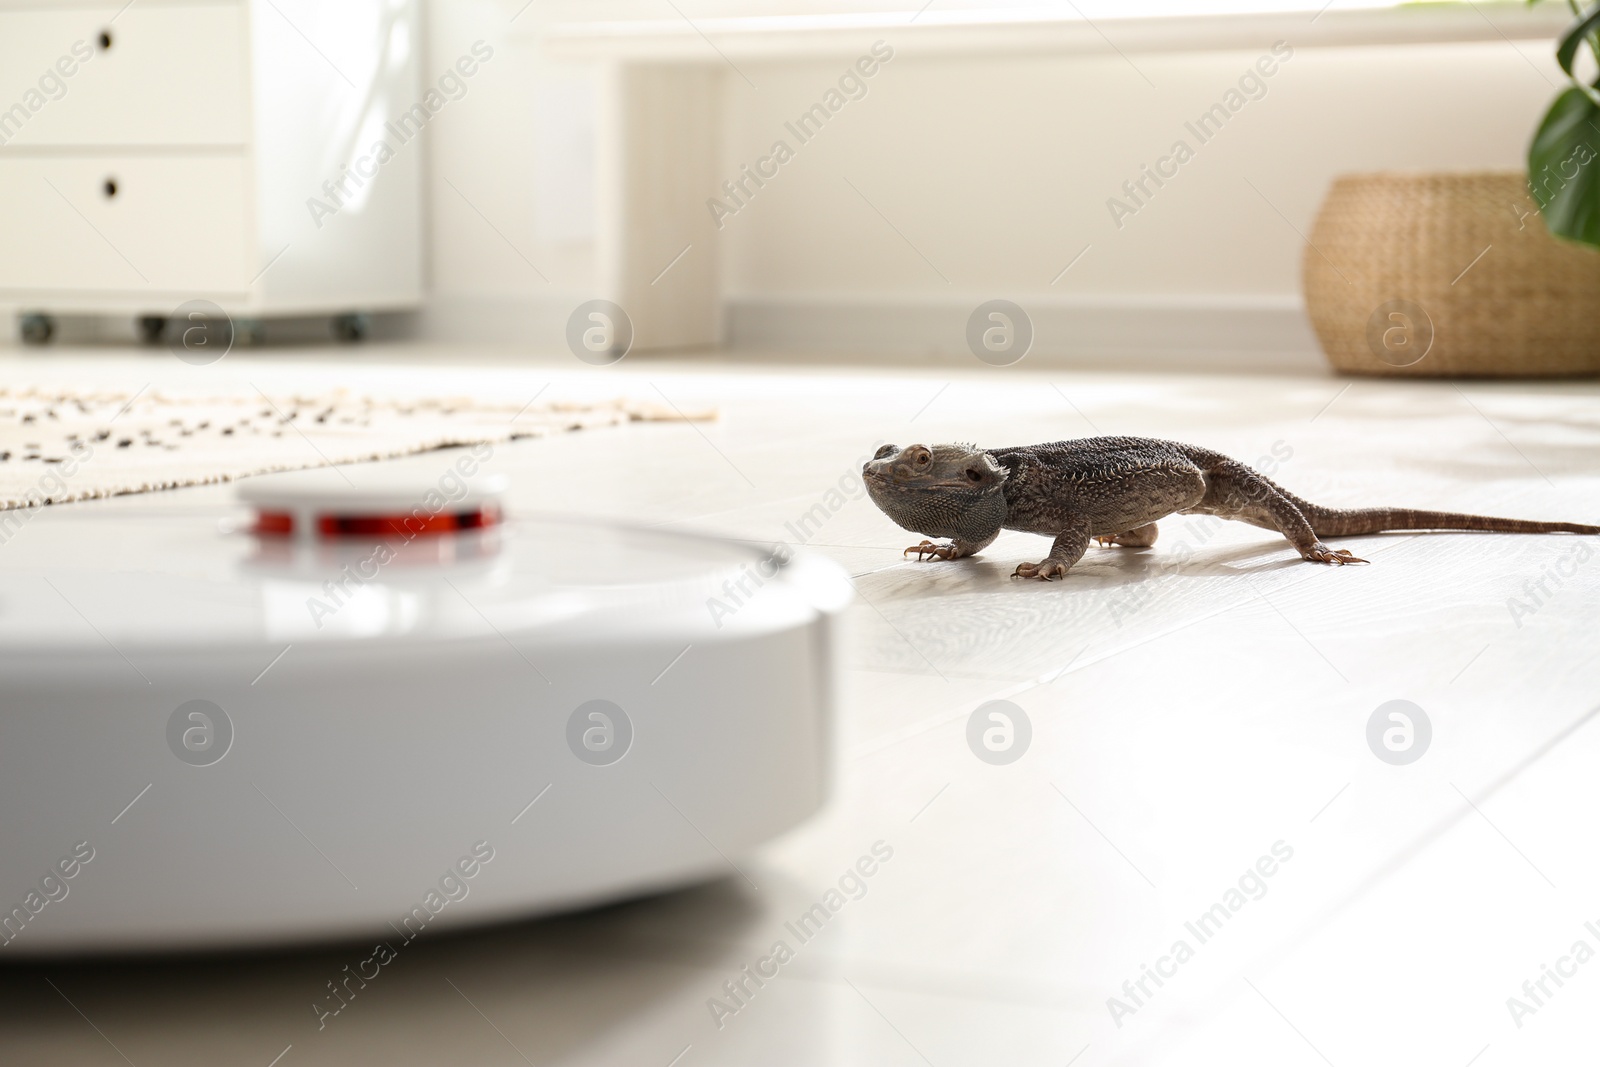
(1113,490)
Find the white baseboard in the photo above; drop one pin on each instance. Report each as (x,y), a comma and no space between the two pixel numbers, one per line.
(1267,333)
(1255,333)
(1193,333)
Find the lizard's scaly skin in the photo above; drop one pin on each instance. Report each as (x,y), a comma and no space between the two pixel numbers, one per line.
(1115,489)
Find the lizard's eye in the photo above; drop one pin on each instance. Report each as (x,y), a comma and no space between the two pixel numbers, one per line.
(974,476)
(922,459)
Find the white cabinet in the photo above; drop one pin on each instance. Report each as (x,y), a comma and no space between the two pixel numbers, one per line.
(221,150)
(174,225)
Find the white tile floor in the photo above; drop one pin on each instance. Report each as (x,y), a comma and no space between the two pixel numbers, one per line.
(1188,714)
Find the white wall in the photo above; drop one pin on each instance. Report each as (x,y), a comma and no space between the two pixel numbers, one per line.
(998,172)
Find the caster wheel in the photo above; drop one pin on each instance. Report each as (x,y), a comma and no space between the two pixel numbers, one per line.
(36,329)
(351,328)
(151,328)
(248,331)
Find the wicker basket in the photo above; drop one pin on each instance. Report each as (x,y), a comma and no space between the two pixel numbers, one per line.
(1437,275)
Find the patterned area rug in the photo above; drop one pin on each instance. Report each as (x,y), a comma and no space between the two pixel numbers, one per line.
(62,444)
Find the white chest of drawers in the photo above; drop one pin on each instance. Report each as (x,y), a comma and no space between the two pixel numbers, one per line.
(166,151)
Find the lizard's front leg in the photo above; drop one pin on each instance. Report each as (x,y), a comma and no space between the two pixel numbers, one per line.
(956,549)
(929,550)
(1067,549)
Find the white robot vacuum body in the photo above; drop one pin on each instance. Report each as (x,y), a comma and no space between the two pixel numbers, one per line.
(350,715)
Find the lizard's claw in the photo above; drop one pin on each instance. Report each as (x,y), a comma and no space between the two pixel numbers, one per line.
(1044,570)
(1321,553)
(1138,537)
(929,550)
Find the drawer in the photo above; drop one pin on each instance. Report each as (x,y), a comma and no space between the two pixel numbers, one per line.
(164,224)
(158,76)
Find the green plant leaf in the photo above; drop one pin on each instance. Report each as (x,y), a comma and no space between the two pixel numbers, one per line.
(1573,39)
(1564,167)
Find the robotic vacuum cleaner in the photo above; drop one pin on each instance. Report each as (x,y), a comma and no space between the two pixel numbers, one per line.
(349,710)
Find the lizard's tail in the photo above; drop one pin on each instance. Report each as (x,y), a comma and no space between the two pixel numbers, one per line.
(1343,522)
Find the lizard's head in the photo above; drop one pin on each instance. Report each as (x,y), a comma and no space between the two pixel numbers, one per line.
(939,490)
